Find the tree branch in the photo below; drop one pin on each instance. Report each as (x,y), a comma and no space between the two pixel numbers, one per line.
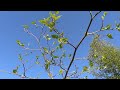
(76,48)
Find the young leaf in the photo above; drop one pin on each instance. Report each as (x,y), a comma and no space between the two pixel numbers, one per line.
(57,17)
(55,57)
(55,36)
(33,22)
(90,63)
(60,45)
(60,71)
(85,68)
(109,36)
(107,27)
(47,65)
(56,12)
(105,13)
(95,56)
(62,40)
(14,71)
(45,50)
(26,26)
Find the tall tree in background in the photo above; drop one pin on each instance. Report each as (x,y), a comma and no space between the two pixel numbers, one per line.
(51,44)
(105,58)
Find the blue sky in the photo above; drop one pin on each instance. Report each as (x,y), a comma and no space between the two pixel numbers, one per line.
(73,23)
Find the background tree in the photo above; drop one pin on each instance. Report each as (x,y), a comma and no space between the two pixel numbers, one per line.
(105,59)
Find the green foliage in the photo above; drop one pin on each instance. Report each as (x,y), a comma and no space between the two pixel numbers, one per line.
(118,27)
(62,40)
(47,65)
(33,22)
(60,71)
(19,43)
(55,36)
(104,14)
(109,36)
(85,68)
(26,26)
(107,27)
(51,20)
(60,45)
(15,70)
(91,63)
(45,50)
(55,56)
(107,64)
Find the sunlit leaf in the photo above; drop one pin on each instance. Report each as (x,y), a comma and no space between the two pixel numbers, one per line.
(55,36)
(60,71)
(109,36)
(45,49)
(85,68)
(56,12)
(60,45)
(55,57)
(26,26)
(33,22)
(90,63)
(14,71)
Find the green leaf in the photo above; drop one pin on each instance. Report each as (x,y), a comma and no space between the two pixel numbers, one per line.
(55,56)
(14,71)
(60,45)
(102,17)
(95,56)
(45,49)
(107,27)
(57,17)
(105,13)
(62,40)
(51,25)
(19,43)
(33,22)
(118,27)
(26,26)
(42,21)
(90,63)
(103,57)
(85,68)
(50,13)
(55,36)
(60,71)
(56,12)
(109,36)
(47,65)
